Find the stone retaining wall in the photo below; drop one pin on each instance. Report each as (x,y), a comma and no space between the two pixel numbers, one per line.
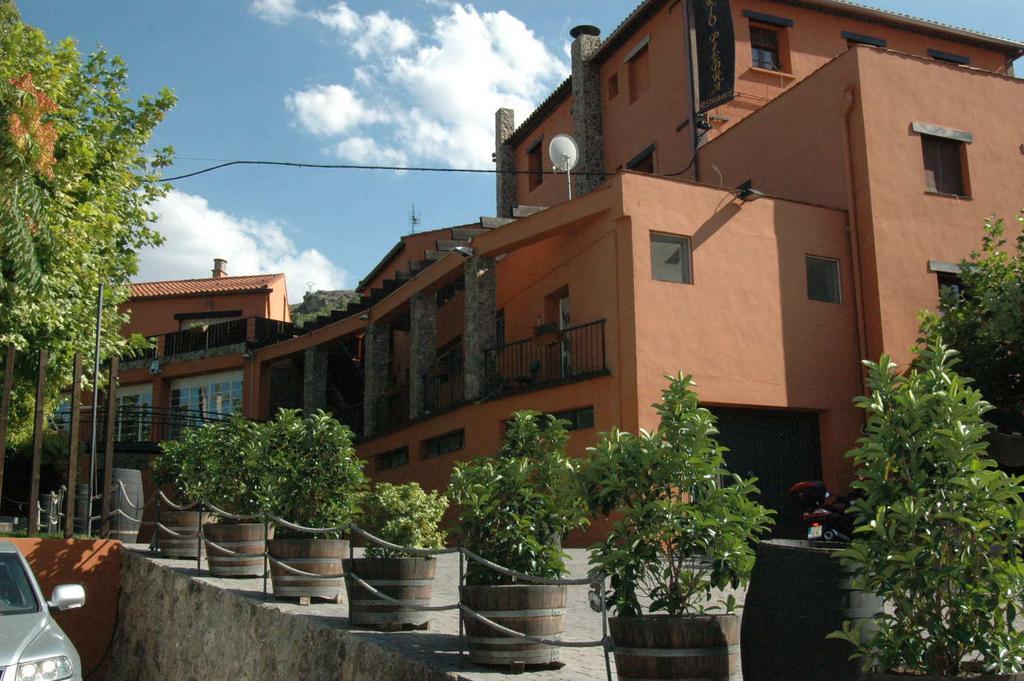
(173,625)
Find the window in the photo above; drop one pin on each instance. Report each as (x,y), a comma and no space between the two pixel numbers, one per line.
(535,163)
(958,59)
(823,280)
(579,419)
(393,459)
(861,39)
(764,48)
(642,162)
(444,444)
(639,71)
(950,281)
(944,165)
(670,258)
(613,86)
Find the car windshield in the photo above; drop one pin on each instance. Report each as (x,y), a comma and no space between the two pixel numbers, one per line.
(16,596)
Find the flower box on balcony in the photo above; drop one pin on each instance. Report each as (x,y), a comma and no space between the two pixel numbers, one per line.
(547,334)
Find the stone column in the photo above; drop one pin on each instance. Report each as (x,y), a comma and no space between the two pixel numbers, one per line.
(376,370)
(504,159)
(423,347)
(481,324)
(586,109)
(314,379)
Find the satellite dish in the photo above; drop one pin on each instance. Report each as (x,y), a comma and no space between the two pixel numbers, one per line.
(563,152)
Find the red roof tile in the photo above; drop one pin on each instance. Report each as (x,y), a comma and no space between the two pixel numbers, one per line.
(209,286)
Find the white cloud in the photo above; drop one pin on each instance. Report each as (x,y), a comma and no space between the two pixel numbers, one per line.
(196,234)
(437,91)
(373,33)
(331,109)
(368,151)
(274,11)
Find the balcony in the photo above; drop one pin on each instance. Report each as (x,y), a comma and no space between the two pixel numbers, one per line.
(144,424)
(443,388)
(571,354)
(253,331)
(391,411)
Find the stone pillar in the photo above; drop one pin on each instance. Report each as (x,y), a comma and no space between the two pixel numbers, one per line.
(504,159)
(314,379)
(423,347)
(481,324)
(376,371)
(586,109)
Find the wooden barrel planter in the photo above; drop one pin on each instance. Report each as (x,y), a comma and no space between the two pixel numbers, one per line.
(799,593)
(244,538)
(674,647)
(533,609)
(184,543)
(129,502)
(409,580)
(322,557)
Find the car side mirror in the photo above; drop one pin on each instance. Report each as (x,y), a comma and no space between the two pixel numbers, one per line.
(67,597)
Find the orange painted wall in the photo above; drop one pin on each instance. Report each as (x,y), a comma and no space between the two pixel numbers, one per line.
(745,328)
(152,316)
(552,189)
(96,565)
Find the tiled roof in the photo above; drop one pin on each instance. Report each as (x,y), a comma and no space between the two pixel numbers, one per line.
(557,96)
(209,286)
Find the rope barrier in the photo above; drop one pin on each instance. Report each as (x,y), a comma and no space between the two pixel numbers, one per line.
(164,528)
(389,599)
(226,514)
(396,547)
(176,507)
(552,581)
(302,573)
(308,530)
(558,643)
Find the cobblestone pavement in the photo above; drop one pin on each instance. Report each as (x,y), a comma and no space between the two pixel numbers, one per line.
(439,646)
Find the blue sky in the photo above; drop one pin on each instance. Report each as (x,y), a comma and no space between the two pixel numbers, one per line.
(325,81)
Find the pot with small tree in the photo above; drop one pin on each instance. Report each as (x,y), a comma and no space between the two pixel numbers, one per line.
(514,510)
(180,465)
(679,539)
(940,531)
(403,515)
(318,484)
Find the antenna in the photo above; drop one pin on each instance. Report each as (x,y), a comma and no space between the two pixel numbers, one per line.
(564,154)
(414,219)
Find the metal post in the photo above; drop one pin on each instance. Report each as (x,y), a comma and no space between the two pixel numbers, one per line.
(156,525)
(73,443)
(199,540)
(691,55)
(95,405)
(604,631)
(37,447)
(462,623)
(266,552)
(5,408)
(108,448)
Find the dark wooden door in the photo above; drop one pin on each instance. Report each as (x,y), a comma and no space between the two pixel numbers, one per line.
(780,448)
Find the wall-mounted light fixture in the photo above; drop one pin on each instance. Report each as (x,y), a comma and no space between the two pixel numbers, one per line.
(746,192)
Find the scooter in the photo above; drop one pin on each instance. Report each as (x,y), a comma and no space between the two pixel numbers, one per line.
(823,512)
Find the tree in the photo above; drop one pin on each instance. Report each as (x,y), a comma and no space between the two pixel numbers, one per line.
(940,530)
(983,319)
(74,189)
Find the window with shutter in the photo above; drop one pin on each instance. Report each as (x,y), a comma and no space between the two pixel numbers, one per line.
(943,165)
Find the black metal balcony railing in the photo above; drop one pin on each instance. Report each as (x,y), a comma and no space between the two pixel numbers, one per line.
(570,354)
(444,386)
(147,424)
(391,411)
(352,416)
(267,331)
(204,338)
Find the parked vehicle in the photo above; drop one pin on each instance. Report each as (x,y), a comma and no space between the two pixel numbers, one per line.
(824,513)
(32,645)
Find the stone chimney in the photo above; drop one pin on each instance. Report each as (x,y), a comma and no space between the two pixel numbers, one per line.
(586,107)
(219,268)
(504,160)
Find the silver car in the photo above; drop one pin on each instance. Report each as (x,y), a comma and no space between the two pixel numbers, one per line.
(32,646)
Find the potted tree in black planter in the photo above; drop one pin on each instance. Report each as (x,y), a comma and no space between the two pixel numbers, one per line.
(679,534)
(941,530)
(318,484)
(514,510)
(403,515)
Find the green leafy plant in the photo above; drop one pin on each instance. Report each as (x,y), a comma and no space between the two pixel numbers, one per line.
(680,532)
(941,530)
(516,507)
(317,478)
(403,515)
(983,319)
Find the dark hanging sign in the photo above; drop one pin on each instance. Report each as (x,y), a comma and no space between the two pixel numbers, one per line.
(716,53)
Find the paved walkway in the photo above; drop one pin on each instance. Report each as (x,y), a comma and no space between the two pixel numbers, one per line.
(439,647)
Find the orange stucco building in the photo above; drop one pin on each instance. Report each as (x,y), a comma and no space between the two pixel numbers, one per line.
(825,205)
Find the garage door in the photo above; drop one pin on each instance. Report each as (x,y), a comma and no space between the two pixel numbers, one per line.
(780,448)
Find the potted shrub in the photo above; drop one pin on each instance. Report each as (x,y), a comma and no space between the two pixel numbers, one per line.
(237,481)
(318,483)
(407,516)
(547,334)
(941,529)
(514,510)
(679,535)
(181,466)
